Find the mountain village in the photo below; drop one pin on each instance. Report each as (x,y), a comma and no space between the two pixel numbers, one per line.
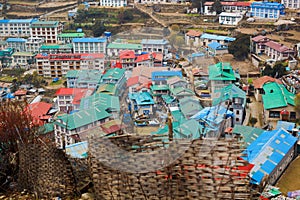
(149,91)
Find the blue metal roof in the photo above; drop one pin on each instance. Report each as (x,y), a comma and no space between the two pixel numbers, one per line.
(267,151)
(143,98)
(89,40)
(217,46)
(286,125)
(163,75)
(4,21)
(77,150)
(268,5)
(151,41)
(216,37)
(22,21)
(16,40)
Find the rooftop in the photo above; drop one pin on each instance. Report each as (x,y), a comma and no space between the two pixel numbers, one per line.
(106,101)
(267,151)
(259,82)
(71,35)
(278,47)
(124,46)
(276,96)
(228,93)
(222,71)
(248,134)
(143,98)
(189,106)
(16,40)
(43,24)
(152,41)
(194,33)
(115,73)
(82,117)
(217,46)
(216,37)
(101,40)
(22,53)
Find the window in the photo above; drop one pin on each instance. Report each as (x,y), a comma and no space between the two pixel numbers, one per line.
(274,114)
(237,112)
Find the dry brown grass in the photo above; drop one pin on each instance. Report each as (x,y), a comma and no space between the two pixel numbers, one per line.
(290,179)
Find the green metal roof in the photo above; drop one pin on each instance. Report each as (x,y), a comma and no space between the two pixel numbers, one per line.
(229,92)
(56,46)
(168,99)
(72,74)
(107,89)
(89,76)
(115,73)
(143,98)
(106,101)
(178,116)
(124,46)
(276,96)
(182,130)
(46,128)
(222,72)
(248,133)
(181,91)
(22,53)
(83,117)
(189,106)
(71,35)
(159,87)
(45,24)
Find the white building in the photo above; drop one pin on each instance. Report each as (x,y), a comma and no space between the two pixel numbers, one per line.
(192,37)
(158,46)
(278,51)
(113,3)
(233,19)
(150,1)
(23,59)
(48,30)
(114,48)
(291,4)
(89,45)
(15,27)
(232,6)
(18,44)
(33,44)
(57,65)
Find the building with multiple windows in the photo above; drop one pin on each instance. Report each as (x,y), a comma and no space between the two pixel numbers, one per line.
(278,103)
(291,4)
(15,27)
(67,38)
(227,18)
(34,44)
(192,38)
(19,44)
(206,38)
(266,10)
(23,59)
(49,30)
(220,76)
(232,6)
(83,78)
(113,49)
(89,45)
(113,3)
(57,65)
(158,46)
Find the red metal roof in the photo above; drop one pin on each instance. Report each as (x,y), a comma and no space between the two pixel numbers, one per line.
(80,93)
(278,47)
(259,38)
(126,54)
(70,56)
(132,81)
(39,112)
(20,92)
(258,83)
(194,33)
(64,91)
(145,57)
(229,3)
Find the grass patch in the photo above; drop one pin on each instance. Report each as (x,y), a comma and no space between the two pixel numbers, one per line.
(59,82)
(7,79)
(290,179)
